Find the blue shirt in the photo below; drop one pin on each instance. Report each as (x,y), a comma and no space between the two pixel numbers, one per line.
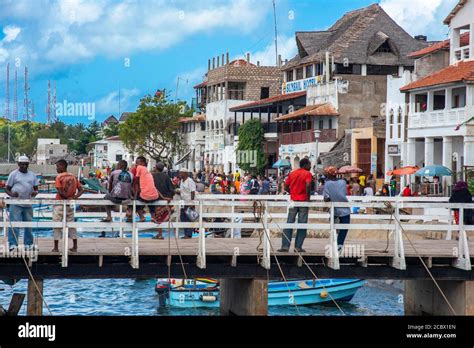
(336,191)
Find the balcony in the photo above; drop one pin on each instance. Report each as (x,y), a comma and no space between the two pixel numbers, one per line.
(307,136)
(438,118)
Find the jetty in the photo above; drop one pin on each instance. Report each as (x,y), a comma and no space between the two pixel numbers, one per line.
(405,247)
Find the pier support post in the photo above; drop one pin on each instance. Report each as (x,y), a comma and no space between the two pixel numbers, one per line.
(422,297)
(243,296)
(35,302)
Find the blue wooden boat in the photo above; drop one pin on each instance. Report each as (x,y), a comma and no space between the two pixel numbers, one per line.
(194,293)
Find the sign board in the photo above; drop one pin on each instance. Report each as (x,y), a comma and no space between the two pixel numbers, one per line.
(300,85)
(393,149)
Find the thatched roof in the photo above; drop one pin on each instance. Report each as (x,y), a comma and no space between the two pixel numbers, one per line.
(357,36)
(339,155)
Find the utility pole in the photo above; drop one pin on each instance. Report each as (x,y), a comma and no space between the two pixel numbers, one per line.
(177,87)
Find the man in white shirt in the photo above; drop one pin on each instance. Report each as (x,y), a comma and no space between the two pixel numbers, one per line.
(187,190)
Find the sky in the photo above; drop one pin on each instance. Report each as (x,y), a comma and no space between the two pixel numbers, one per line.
(92,49)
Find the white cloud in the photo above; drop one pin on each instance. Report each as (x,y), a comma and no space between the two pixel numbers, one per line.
(78,30)
(109,104)
(11,32)
(286,48)
(420,16)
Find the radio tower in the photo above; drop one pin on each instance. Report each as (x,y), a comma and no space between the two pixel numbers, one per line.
(53,102)
(26,104)
(32,111)
(15,98)
(48,105)
(7,94)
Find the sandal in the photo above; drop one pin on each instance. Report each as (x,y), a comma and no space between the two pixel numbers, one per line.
(106,220)
(158,237)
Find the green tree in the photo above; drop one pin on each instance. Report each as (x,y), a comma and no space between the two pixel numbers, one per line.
(153,129)
(250,155)
(111,130)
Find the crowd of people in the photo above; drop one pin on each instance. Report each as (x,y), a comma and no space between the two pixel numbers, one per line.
(147,187)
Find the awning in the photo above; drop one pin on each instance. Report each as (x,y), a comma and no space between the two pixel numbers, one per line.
(184,158)
(325,109)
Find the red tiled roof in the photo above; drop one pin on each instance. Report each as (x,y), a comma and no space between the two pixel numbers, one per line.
(115,137)
(266,101)
(240,62)
(202,84)
(455,10)
(325,109)
(442,45)
(197,118)
(460,72)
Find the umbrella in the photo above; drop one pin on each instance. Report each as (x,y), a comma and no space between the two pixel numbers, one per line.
(349,170)
(434,170)
(281,163)
(408,170)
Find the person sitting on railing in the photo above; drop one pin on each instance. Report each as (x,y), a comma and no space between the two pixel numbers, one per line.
(187,190)
(298,184)
(21,184)
(335,191)
(166,191)
(407,191)
(461,194)
(68,187)
(144,188)
(119,187)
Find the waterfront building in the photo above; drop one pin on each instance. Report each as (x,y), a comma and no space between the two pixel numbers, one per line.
(228,84)
(193,133)
(440,129)
(48,150)
(108,151)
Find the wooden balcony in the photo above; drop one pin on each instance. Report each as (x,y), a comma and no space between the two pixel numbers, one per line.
(307,136)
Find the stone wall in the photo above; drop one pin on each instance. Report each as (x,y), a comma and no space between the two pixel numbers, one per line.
(431,63)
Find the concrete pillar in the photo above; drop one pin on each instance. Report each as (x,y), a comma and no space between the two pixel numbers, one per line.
(422,297)
(448,152)
(411,152)
(243,296)
(469,150)
(429,151)
(35,301)
(454,43)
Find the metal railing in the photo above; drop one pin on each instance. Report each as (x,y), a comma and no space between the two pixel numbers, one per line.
(433,210)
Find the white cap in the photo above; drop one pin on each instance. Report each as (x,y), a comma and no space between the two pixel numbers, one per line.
(184,170)
(23,159)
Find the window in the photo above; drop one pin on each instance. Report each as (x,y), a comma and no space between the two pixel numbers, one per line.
(203,126)
(459,97)
(382,70)
(330,123)
(439,100)
(421,102)
(391,131)
(264,92)
(309,71)
(391,117)
(118,157)
(351,69)
(321,124)
(319,69)
(399,114)
(299,73)
(50,151)
(384,48)
(289,75)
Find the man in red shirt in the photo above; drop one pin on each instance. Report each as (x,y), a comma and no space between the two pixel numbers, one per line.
(298,184)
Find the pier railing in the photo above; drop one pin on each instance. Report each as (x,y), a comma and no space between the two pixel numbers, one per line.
(265,213)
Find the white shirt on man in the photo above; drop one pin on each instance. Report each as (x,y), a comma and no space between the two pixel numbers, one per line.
(186,187)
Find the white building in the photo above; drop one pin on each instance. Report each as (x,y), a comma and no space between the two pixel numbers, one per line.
(193,132)
(109,151)
(440,128)
(48,149)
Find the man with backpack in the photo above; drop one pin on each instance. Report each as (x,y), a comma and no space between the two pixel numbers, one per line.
(68,187)
(254,186)
(119,186)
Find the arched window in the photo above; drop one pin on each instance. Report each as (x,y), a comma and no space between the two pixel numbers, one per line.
(399,115)
(391,117)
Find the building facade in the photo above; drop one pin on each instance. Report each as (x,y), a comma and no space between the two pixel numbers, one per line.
(109,151)
(226,85)
(440,127)
(193,133)
(48,150)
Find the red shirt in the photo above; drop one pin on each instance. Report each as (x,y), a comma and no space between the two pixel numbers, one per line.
(406,192)
(297,181)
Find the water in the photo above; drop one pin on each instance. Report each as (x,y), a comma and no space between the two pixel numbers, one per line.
(138,297)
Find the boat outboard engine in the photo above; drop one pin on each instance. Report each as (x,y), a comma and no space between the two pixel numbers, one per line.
(162,288)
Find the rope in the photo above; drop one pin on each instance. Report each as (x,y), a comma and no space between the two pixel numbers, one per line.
(388,204)
(306,264)
(26,265)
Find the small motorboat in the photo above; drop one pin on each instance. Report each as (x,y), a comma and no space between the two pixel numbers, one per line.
(194,293)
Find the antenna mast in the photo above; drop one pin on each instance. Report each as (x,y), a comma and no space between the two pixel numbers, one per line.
(15,98)
(48,105)
(26,104)
(7,94)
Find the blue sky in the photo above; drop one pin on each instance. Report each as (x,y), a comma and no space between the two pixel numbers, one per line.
(91,47)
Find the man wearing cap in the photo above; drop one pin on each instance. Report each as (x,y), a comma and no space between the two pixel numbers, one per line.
(335,191)
(187,190)
(21,184)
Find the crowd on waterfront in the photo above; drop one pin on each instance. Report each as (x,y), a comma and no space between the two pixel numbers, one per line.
(138,183)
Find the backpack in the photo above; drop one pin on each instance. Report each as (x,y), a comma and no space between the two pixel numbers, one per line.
(125,176)
(254,188)
(69,184)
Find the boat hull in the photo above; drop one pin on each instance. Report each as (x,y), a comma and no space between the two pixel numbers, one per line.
(295,292)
